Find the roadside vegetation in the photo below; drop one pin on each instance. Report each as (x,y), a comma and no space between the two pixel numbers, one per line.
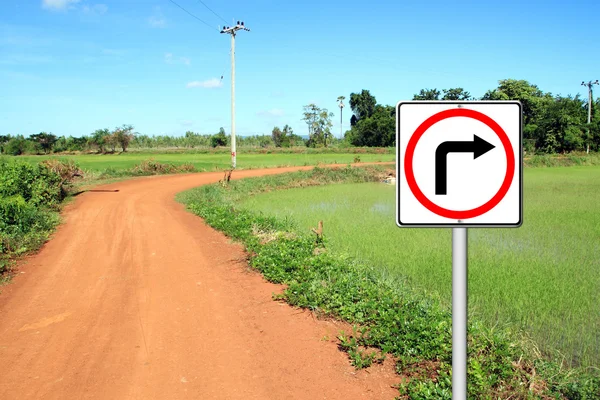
(30,198)
(390,316)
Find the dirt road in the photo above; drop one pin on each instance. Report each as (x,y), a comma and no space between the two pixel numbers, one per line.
(135,298)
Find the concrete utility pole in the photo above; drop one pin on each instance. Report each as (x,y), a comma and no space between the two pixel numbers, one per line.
(231,30)
(340,100)
(589,85)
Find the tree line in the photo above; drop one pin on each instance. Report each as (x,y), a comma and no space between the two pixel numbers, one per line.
(124,137)
(551,123)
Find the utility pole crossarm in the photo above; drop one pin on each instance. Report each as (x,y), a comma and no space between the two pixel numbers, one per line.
(231,30)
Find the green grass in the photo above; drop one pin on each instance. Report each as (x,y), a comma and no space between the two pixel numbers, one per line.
(543,278)
(209,162)
(387,314)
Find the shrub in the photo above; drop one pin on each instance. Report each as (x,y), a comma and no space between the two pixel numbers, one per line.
(15,146)
(37,184)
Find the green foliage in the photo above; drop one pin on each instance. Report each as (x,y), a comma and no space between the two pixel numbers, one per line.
(388,315)
(35,183)
(45,140)
(122,136)
(70,144)
(281,138)
(362,105)
(319,125)
(15,146)
(427,94)
(220,139)
(377,130)
(30,195)
(99,139)
(456,94)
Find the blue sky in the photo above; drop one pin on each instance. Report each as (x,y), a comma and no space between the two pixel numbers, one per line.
(73,66)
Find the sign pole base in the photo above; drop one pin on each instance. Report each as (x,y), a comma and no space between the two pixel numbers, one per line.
(459,313)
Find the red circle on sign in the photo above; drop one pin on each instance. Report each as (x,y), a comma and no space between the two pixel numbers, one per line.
(410,151)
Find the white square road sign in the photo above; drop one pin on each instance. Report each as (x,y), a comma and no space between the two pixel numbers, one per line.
(459,164)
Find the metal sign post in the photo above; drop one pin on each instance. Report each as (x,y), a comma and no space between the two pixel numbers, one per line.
(459,313)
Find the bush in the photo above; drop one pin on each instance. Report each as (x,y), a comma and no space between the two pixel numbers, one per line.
(218,140)
(29,199)
(15,146)
(37,184)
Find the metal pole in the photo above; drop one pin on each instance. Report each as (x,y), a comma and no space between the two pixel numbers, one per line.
(341,120)
(459,313)
(589,102)
(233,155)
(589,115)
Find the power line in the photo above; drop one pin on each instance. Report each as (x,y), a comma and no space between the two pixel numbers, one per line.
(209,9)
(204,22)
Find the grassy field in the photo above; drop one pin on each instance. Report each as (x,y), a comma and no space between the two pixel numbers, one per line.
(542,278)
(209,162)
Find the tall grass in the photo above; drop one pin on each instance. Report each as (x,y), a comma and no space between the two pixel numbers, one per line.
(542,279)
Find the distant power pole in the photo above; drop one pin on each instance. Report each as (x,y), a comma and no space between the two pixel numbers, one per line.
(340,100)
(589,85)
(231,30)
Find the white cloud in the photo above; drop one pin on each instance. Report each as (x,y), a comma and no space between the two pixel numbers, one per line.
(57,4)
(169,59)
(187,123)
(95,9)
(274,112)
(157,22)
(207,84)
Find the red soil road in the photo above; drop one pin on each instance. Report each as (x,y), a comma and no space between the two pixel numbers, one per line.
(135,298)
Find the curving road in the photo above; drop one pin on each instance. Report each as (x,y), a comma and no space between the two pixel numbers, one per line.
(135,298)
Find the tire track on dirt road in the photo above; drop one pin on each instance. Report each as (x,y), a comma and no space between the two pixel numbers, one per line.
(135,298)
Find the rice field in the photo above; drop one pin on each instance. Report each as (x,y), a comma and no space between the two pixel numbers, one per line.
(541,280)
(210,162)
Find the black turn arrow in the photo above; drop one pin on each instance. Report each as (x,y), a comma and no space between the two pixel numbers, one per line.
(478,147)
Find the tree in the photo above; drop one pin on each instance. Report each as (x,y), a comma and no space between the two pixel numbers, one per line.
(379,130)
(427,94)
(220,139)
(530,96)
(3,140)
(99,139)
(281,138)
(362,105)
(15,146)
(45,140)
(287,134)
(319,125)
(561,126)
(111,141)
(122,136)
(277,136)
(456,94)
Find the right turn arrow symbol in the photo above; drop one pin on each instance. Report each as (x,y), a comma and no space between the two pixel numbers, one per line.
(478,147)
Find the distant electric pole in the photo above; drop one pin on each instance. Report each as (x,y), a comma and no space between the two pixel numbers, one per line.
(231,30)
(340,100)
(589,85)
